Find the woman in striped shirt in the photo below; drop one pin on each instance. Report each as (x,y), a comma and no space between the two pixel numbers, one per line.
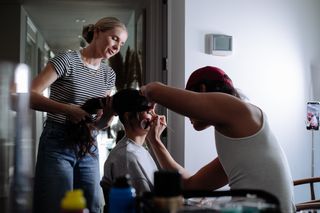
(73,78)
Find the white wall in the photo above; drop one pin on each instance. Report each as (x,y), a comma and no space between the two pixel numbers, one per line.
(176,76)
(276,46)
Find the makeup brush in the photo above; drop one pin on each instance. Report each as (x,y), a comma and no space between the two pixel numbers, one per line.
(154,115)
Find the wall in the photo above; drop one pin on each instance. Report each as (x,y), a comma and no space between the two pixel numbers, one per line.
(176,67)
(275,50)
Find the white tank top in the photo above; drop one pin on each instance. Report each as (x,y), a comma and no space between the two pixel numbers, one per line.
(257,162)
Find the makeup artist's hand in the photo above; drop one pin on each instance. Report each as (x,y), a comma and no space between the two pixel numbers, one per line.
(157,126)
(144,90)
(147,89)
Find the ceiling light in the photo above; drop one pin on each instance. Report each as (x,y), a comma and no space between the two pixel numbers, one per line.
(80,20)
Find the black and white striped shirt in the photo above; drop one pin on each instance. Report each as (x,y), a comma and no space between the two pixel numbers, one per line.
(76,82)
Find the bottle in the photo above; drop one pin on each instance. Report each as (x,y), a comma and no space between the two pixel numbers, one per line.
(74,202)
(167,191)
(122,196)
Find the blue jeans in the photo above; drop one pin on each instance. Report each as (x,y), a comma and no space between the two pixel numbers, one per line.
(59,170)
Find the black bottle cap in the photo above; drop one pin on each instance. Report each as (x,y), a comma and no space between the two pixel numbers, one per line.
(122,182)
(167,183)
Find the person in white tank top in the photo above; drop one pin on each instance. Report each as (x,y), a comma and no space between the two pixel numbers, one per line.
(249,155)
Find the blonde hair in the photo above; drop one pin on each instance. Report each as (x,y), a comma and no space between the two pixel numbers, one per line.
(104,24)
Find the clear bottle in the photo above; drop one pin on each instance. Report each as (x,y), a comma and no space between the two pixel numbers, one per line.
(74,202)
(122,196)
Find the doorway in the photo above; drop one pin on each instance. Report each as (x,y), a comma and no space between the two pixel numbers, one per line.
(146,21)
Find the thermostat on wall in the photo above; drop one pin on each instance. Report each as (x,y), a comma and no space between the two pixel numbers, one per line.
(219,44)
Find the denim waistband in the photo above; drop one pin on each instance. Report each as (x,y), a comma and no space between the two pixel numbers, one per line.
(57,125)
(50,123)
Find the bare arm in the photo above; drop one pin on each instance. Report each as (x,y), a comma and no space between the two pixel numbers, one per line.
(192,104)
(209,177)
(163,156)
(230,115)
(39,102)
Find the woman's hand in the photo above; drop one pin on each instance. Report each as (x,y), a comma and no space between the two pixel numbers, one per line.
(147,90)
(75,114)
(157,126)
(108,113)
(107,108)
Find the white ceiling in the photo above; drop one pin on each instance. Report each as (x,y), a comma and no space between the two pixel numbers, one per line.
(57,19)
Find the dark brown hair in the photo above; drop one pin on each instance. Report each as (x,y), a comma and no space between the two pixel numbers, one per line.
(79,135)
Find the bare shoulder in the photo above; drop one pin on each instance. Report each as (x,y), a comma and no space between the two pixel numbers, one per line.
(253,121)
(256,114)
(246,122)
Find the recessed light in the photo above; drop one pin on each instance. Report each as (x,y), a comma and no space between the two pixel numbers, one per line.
(80,20)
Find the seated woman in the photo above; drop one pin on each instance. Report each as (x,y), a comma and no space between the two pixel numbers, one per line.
(130,156)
